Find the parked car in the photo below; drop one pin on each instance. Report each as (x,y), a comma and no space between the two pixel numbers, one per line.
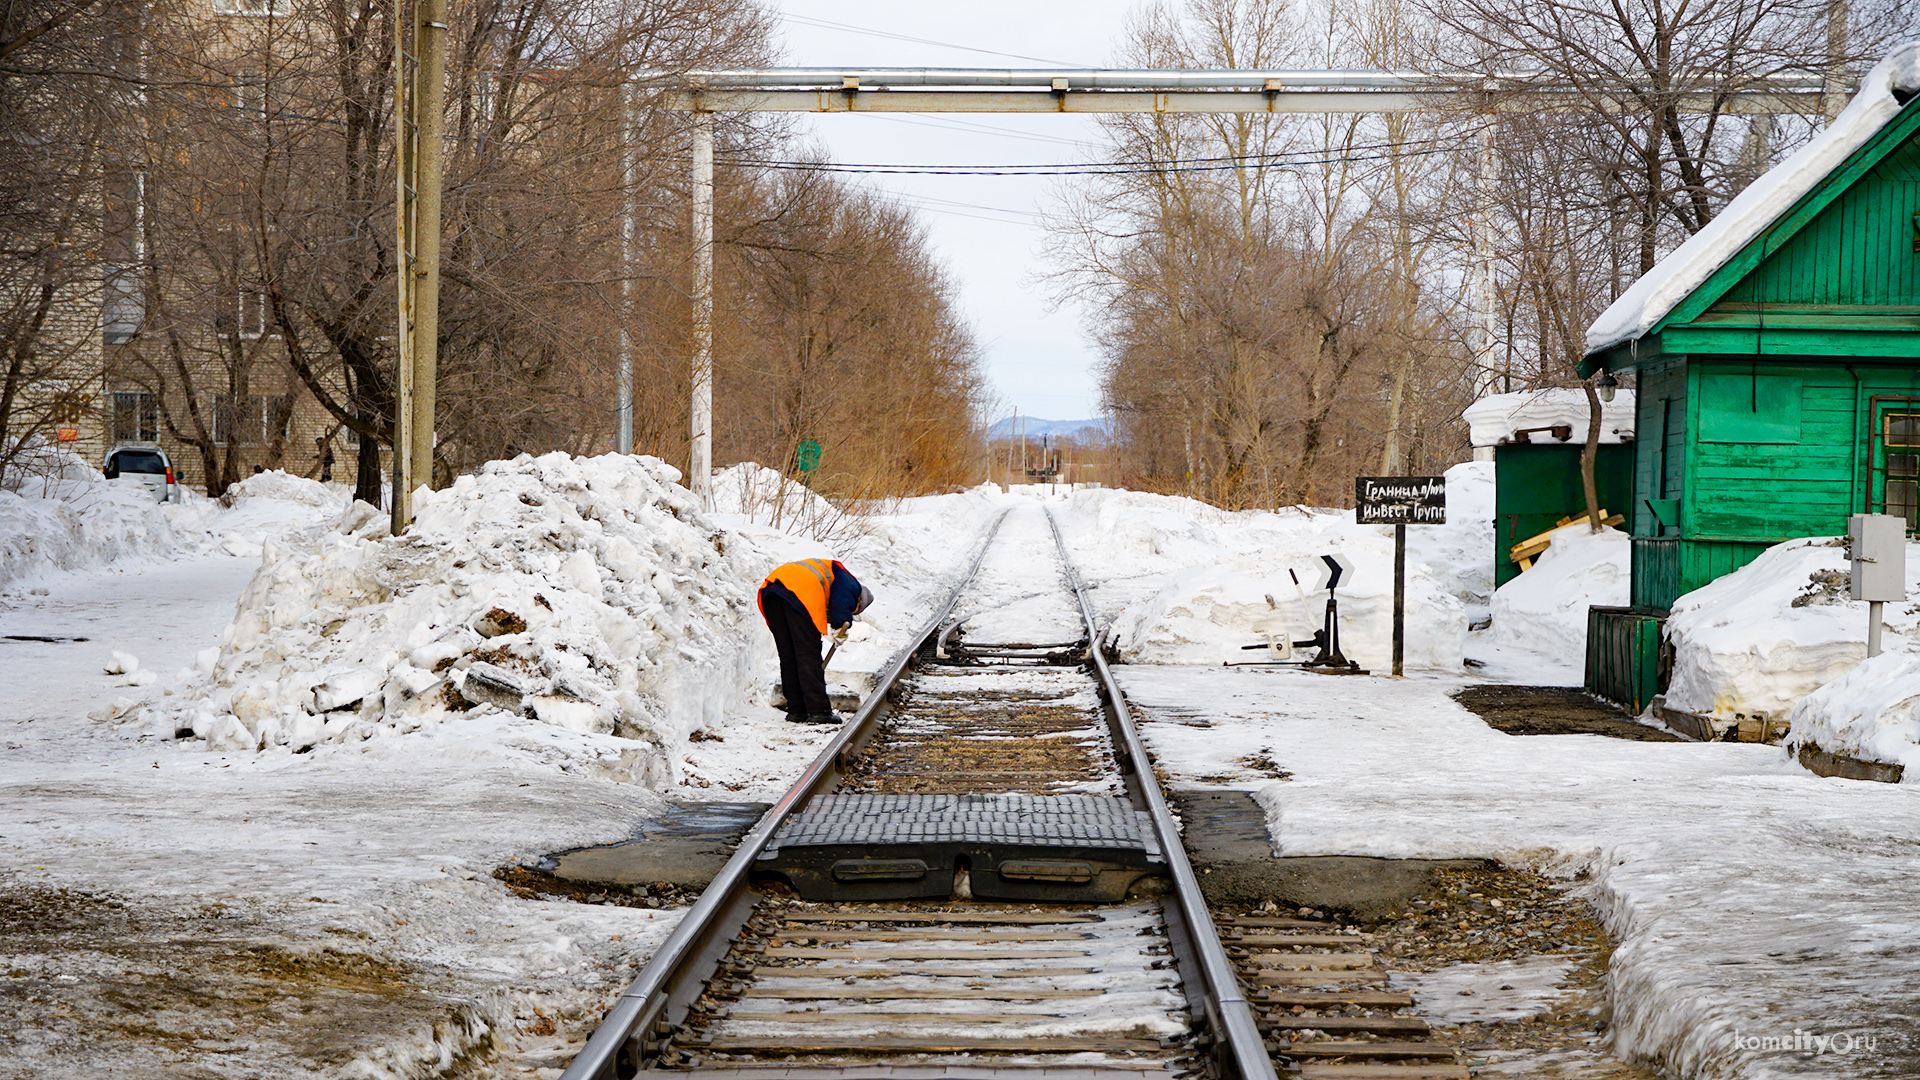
(149,463)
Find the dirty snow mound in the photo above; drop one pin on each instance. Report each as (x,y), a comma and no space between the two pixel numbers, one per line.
(1753,643)
(1871,712)
(585,595)
(1544,610)
(63,515)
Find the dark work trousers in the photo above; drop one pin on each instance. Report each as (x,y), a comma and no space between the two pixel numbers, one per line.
(802,677)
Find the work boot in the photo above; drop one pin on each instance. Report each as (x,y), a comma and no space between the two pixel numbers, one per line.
(796,718)
(828,717)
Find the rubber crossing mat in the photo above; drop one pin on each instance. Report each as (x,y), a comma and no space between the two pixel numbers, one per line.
(1043,848)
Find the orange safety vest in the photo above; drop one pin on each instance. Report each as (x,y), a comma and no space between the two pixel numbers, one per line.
(810,580)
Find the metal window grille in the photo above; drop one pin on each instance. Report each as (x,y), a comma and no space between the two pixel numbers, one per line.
(136,417)
(1900,435)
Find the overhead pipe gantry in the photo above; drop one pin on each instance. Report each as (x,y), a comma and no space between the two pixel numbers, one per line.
(1094,91)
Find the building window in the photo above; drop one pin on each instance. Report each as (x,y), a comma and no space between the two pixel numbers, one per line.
(136,417)
(249,420)
(1901,434)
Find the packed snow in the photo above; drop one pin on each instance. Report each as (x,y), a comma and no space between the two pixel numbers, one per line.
(1542,613)
(1872,713)
(1881,95)
(1201,583)
(1496,418)
(1752,644)
(1749,897)
(62,515)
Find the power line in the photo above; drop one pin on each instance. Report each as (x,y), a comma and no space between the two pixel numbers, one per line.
(829,24)
(985,129)
(1116,168)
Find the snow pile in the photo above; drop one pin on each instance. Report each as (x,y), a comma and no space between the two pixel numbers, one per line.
(1493,419)
(577,595)
(763,496)
(1544,611)
(1872,712)
(63,515)
(273,507)
(1460,553)
(1658,291)
(1187,583)
(1753,643)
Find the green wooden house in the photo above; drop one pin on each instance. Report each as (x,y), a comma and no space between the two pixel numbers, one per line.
(1781,393)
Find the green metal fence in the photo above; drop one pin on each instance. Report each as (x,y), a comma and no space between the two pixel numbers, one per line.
(1623,656)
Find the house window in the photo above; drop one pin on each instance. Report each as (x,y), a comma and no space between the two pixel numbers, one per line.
(1901,434)
(136,417)
(249,420)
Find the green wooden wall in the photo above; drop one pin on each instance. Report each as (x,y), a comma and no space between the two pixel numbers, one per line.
(1858,250)
(1660,442)
(1537,484)
(1767,450)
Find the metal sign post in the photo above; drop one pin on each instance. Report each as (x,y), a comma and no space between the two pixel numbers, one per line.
(1400,501)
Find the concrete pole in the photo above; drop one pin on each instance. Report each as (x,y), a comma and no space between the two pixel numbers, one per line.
(1874,608)
(1835,89)
(1483,300)
(700,462)
(429,101)
(630,172)
(404,131)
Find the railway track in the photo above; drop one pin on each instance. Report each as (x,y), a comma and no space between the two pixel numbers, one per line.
(980,875)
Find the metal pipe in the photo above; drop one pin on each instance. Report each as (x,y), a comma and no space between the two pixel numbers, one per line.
(1119,78)
(700,460)
(810,78)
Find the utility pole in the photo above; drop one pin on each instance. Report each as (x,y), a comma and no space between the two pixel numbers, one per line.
(419,100)
(1835,88)
(630,173)
(700,461)
(1483,299)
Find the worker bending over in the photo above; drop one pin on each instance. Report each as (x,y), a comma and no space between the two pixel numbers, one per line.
(801,602)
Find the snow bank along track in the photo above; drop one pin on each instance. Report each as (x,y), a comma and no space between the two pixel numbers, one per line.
(989,883)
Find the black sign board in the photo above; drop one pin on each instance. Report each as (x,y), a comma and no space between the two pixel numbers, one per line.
(1400,500)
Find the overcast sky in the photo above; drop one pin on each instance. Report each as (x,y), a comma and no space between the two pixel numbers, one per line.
(984,228)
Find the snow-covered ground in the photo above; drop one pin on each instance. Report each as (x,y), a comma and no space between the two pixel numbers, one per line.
(1751,899)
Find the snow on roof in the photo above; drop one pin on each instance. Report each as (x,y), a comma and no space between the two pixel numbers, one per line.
(1494,419)
(1661,289)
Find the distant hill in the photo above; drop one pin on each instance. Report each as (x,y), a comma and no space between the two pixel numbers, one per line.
(1036,427)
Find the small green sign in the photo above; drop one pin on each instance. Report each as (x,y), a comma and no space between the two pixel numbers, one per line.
(807,457)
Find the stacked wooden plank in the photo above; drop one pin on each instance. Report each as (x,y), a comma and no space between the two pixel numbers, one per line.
(1534,546)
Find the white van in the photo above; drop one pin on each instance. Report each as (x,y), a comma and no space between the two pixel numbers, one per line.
(149,463)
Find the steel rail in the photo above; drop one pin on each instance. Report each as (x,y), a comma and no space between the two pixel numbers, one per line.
(723,906)
(1245,1051)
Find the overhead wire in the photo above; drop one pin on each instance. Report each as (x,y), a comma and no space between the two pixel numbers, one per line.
(1328,156)
(829,24)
